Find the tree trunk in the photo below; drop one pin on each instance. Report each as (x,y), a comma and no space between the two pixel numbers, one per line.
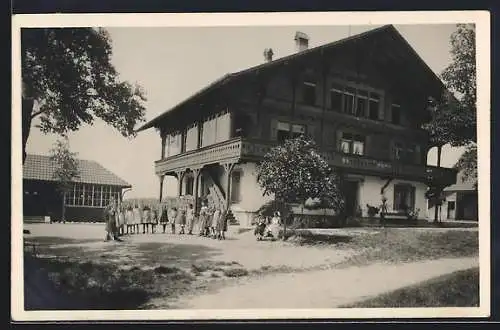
(63,213)
(27,109)
(436,207)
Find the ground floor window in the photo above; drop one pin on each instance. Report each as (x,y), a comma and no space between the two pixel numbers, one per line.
(404,197)
(91,195)
(236,186)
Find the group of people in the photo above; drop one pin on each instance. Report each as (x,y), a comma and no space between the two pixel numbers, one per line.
(268,227)
(122,219)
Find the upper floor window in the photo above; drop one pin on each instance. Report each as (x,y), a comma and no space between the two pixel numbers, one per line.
(309,93)
(374,106)
(352,144)
(349,97)
(336,95)
(361,103)
(396,114)
(355,101)
(283,131)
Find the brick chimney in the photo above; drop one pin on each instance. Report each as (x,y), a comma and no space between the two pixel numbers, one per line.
(301,41)
(268,54)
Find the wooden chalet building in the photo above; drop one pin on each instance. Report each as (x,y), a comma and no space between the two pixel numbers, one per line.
(91,191)
(362,98)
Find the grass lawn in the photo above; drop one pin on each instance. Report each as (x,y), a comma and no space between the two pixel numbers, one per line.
(393,245)
(458,289)
(69,274)
(90,274)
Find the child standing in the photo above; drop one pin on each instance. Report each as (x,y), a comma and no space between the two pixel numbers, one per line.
(173,218)
(145,219)
(215,220)
(190,219)
(203,219)
(164,218)
(181,220)
(129,219)
(137,218)
(154,218)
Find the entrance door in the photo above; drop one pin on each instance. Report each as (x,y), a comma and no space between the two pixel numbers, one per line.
(451,210)
(351,197)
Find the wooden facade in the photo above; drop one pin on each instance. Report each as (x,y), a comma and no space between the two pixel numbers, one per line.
(363,99)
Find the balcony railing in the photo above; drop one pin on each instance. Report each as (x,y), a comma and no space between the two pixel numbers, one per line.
(249,149)
(228,151)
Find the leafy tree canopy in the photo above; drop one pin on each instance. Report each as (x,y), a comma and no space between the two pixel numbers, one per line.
(296,171)
(454,119)
(68,79)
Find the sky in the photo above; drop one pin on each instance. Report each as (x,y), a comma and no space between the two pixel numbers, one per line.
(172,63)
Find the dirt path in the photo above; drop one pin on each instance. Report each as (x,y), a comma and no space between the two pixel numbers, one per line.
(325,288)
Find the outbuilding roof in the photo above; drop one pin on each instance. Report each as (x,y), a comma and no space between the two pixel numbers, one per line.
(42,168)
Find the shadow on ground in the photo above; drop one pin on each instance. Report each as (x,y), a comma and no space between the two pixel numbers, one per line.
(73,274)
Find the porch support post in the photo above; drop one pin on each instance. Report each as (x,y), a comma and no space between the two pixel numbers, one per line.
(196,174)
(229,169)
(161,178)
(180,177)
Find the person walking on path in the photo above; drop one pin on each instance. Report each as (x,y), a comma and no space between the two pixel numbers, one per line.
(190,219)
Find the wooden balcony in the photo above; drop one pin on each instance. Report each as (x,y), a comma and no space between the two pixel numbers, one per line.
(244,149)
(227,151)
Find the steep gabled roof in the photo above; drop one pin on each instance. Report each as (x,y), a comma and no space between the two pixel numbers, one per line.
(41,167)
(386,29)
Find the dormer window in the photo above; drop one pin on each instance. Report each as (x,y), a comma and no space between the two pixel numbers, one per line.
(309,93)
